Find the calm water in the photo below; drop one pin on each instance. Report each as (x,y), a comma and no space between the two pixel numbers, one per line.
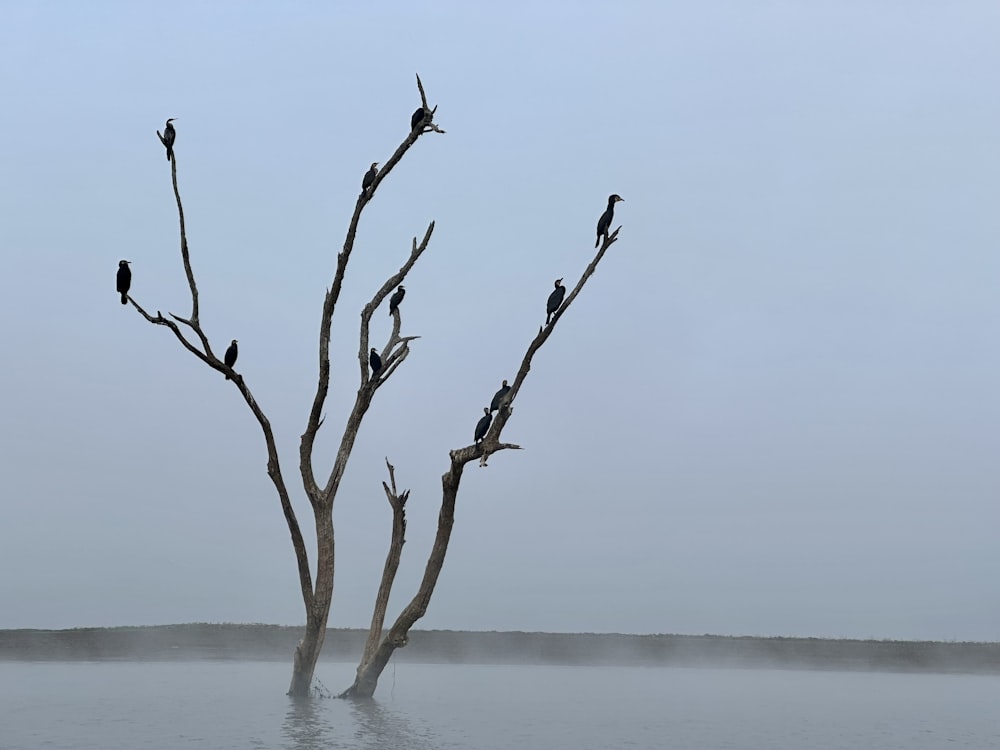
(223,705)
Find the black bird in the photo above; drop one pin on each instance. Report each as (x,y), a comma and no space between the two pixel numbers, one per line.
(555,299)
(396,298)
(375,361)
(418,117)
(369,176)
(604,223)
(483,425)
(231,354)
(124,280)
(498,396)
(168,137)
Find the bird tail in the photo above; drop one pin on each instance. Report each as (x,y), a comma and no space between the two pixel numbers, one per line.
(170,153)
(124,298)
(227,377)
(598,241)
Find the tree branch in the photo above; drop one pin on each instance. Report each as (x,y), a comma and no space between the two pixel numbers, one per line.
(396,350)
(369,310)
(184,246)
(376,659)
(490,443)
(308,438)
(398,504)
(206,355)
(428,123)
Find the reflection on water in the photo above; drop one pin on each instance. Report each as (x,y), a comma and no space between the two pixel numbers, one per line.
(358,724)
(306,725)
(380,727)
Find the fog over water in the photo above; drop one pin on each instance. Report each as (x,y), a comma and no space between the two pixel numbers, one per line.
(773,410)
(263,642)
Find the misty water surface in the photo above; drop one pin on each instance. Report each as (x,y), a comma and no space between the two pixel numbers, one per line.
(223,705)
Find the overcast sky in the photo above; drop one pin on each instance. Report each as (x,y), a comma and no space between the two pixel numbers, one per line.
(774,410)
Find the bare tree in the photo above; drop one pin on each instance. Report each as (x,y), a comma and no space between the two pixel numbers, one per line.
(317,595)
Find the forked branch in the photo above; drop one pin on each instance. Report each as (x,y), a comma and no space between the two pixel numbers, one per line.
(391,357)
(396,350)
(308,438)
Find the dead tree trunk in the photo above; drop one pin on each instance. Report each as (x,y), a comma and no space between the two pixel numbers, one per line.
(318,612)
(375,658)
(316,595)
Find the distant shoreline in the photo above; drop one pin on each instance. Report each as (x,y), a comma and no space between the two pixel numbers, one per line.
(197,641)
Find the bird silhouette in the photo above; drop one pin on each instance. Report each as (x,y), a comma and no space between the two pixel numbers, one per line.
(168,137)
(396,298)
(555,299)
(369,176)
(483,425)
(498,396)
(230,357)
(124,280)
(604,223)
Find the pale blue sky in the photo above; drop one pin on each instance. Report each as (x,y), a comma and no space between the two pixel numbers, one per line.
(774,410)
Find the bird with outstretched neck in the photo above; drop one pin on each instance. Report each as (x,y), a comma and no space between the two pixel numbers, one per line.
(604,223)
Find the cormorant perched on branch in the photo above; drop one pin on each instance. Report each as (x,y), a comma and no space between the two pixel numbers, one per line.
(555,299)
(604,223)
(417,118)
(369,176)
(483,426)
(375,361)
(498,396)
(396,298)
(124,280)
(231,354)
(168,137)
